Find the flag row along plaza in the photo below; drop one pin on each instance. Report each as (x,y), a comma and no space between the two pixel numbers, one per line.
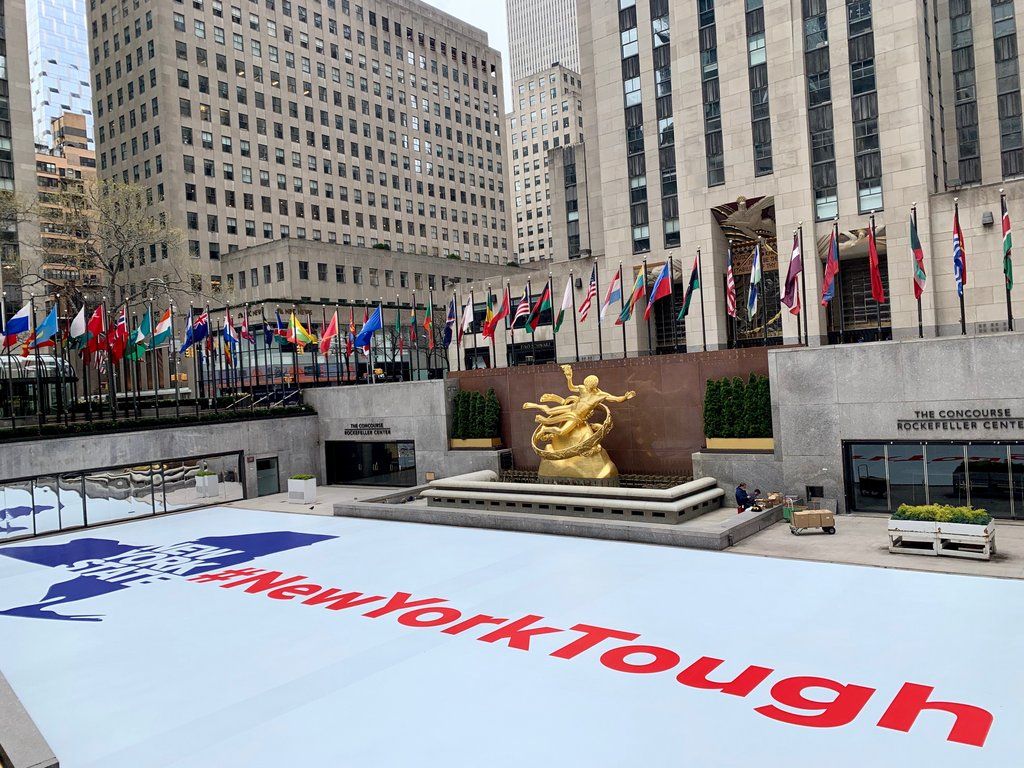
(145,351)
(230,637)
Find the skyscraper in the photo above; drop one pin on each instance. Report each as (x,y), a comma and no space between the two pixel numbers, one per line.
(540,33)
(363,124)
(58,63)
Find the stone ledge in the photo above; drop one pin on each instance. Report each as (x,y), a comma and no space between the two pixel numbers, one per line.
(21,743)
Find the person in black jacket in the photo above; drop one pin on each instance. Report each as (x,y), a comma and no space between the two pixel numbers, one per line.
(745,500)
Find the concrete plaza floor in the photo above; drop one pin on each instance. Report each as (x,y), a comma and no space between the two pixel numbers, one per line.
(862,540)
(326,497)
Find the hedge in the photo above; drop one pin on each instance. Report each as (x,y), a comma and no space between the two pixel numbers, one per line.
(940,513)
(476,415)
(734,408)
(80,428)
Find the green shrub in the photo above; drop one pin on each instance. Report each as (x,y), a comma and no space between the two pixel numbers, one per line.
(302,477)
(737,409)
(475,415)
(492,415)
(713,409)
(205,473)
(940,513)
(457,415)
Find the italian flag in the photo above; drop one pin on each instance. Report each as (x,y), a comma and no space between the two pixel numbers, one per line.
(163,330)
(566,303)
(543,303)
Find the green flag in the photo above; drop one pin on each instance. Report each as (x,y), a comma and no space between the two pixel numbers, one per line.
(693,285)
(1007,246)
(137,340)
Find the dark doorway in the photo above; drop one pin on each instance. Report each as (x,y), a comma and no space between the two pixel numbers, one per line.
(366,463)
(267,480)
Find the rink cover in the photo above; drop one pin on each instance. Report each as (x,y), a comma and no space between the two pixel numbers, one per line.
(229,637)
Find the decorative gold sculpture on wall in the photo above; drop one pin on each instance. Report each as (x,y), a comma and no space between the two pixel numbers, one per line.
(567,443)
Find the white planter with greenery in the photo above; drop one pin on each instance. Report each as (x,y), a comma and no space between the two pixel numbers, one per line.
(302,489)
(207,485)
(947,531)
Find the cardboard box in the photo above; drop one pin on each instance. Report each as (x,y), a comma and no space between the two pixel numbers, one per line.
(807,518)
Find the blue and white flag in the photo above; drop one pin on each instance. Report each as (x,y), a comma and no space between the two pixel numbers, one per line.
(755,283)
(19,323)
(373,324)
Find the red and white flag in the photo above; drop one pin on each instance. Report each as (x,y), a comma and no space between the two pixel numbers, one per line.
(730,287)
(327,337)
(790,295)
(588,300)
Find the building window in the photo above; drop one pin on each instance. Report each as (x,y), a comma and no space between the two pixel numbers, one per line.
(660,37)
(1004,31)
(819,110)
(965,94)
(303,270)
(867,154)
(760,119)
(634,118)
(710,92)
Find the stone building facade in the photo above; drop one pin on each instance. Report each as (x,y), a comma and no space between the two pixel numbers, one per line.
(716,130)
(351,123)
(547,114)
(541,33)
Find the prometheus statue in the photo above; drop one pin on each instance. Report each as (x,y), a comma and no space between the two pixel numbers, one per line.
(567,443)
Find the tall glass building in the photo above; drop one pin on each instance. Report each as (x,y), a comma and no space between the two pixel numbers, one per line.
(58,63)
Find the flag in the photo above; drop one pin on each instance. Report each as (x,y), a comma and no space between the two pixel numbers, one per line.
(350,340)
(791,296)
(730,286)
(413,335)
(195,331)
(137,343)
(96,329)
(451,317)
(566,303)
(399,331)
(1007,246)
(245,333)
(959,255)
(327,337)
(489,313)
(918,253)
(280,333)
(230,337)
(542,305)
(467,320)
(46,330)
(77,332)
(692,287)
(614,293)
(828,281)
(17,324)
(428,324)
(373,324)
(501,314)
(162,333)
(118,342)
(662,288)
(755,283)
(639,291)
(877,289)
(297,334)
(522,308)
(588,300)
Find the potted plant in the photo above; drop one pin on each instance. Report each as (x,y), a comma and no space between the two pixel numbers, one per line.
(302,489)
(476,421)
(950,531)
(207,484)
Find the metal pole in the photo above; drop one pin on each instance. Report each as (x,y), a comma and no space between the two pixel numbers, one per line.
(40,417)
(172,359)
(455,333)
(472,324)
(533,339)
(878,306)
(839,283)
(493,361)
(414,339)
(1006,282)
(700,291)
(510,327)
(135,378)
(554,336)
(764,293)
(575,326)
(197,363)
(622,307)
(672,302)
(803,285)
(597,314)
(647,300)
(58,361)
(152,360)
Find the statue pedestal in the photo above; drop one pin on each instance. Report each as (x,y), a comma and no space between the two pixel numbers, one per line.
(597,467)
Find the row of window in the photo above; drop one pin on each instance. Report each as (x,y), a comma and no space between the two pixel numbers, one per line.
(1004,32)
(819,109)
(714,149)
(867,153)
(636,162)
(757,64)
(661,39)
(965,97)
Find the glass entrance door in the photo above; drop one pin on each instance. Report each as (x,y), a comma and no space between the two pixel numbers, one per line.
(267,479)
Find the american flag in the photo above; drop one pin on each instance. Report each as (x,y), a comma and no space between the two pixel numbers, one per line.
(591,295)
(523,308)
(730,287)
(959,256)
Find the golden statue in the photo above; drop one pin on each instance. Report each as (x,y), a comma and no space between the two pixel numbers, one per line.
(573,443)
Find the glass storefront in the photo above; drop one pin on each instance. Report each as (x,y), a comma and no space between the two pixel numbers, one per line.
(881,476)
(44,504)
(371,463)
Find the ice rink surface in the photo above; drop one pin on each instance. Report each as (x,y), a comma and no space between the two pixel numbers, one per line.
(129,647)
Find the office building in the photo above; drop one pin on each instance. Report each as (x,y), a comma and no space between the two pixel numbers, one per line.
(58,64)
(363,124)
(867,109)
(547,114)
(541,33)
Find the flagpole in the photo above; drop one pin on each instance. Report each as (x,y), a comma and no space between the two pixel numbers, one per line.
(152,361)
(1004,214)
(622,307)
(963,281)
(878,306)
(58,360)
(597,298)
(172,360)
(10,371)
(135,380)
(492,362)
(803,286)
(414,339)
(510,327)
(647,300)
(455,331)
(472,322)
(575,324)
(554,336)
(839,283)
(533,337)
(110,363)
(40,418)
(216,366)
(672,302)
(700,291)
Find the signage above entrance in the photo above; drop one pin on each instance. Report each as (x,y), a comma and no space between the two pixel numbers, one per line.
(367,429)
(961,419)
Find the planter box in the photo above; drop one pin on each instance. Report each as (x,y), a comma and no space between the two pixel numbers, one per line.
(477,443)
(302,491)
(207,486)
(741,444)
(977,542)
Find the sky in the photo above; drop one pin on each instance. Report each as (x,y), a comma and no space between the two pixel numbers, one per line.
(488,15)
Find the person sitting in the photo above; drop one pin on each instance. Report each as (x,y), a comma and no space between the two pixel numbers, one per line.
(744,500)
